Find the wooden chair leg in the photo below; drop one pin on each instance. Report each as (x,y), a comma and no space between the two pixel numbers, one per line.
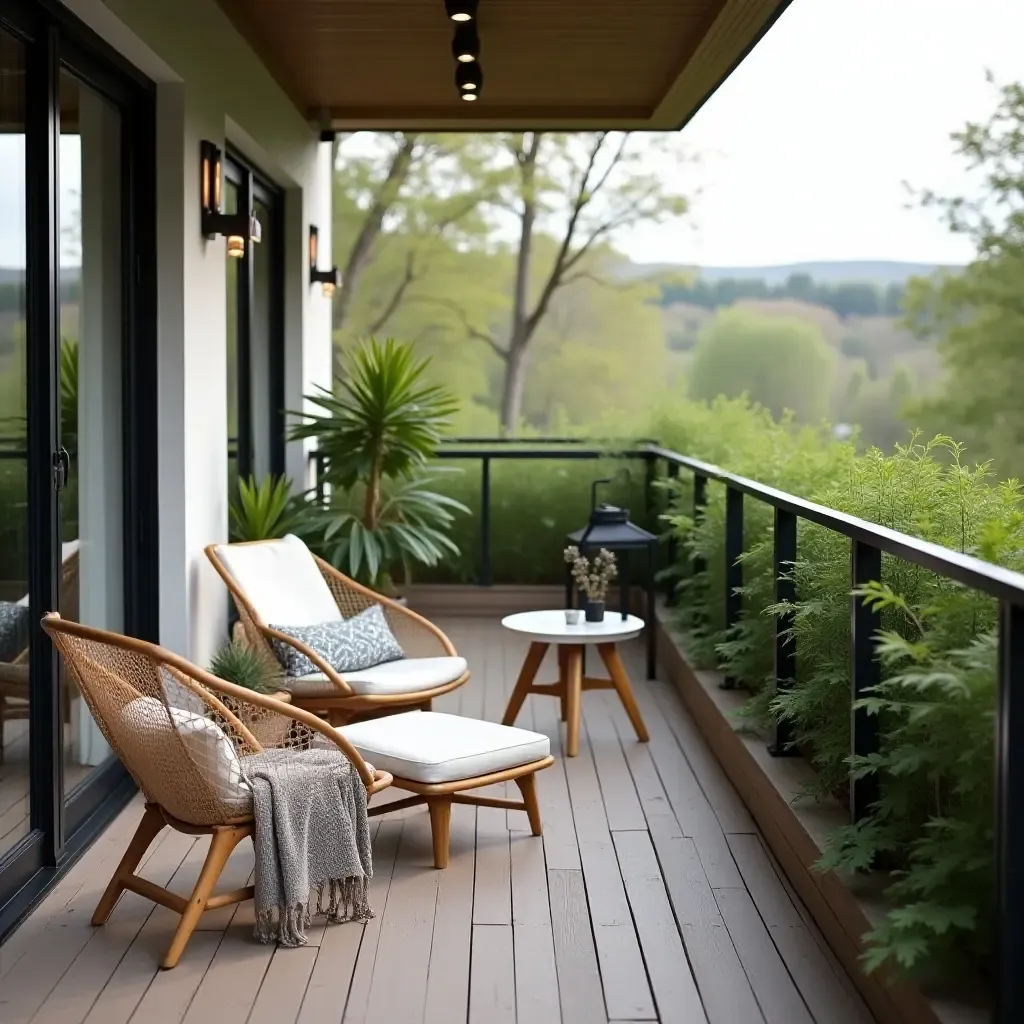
(223,842)
(440,828)
(610,656)
(528,787)
(574,688)
(150,827)
(534,657)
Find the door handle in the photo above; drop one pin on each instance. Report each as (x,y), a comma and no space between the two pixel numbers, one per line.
(61,468)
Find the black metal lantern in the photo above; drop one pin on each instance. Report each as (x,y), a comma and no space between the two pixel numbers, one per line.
(610,528)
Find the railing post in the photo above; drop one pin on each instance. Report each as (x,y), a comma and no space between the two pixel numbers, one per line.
(649,475)
(865,671)
(784,648)
(700,499)
(733,568)
(485,522)
(1009,995)
(672,469)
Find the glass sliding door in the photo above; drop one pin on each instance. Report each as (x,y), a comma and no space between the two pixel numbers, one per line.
(91,333)
(16,611)
(78,509)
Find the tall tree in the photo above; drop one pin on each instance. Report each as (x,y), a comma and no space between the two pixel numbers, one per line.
(978,314)
(781,363)
(401,199)
(582,189)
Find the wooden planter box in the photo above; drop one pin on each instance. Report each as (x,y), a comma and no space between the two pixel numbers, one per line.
(795,828)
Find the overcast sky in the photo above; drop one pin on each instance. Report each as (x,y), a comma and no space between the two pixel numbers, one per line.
(805,148)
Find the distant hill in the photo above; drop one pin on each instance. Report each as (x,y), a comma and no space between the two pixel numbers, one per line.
(880,272)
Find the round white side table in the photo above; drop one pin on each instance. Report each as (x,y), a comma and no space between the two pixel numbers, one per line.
(545,628)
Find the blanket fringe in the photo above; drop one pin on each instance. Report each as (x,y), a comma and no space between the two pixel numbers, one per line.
(347,900)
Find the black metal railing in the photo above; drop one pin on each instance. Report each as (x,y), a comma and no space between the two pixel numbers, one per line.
(868,542)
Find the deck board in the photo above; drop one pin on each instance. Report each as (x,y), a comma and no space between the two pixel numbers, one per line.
(650,897)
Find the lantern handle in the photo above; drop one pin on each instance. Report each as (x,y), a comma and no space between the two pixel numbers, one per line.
(623,473)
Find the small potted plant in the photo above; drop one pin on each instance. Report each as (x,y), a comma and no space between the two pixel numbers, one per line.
(592,579)
(253,670)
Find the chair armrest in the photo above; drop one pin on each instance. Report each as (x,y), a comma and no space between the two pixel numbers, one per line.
(218,687)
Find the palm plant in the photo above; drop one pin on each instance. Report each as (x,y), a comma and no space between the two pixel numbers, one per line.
(376,434)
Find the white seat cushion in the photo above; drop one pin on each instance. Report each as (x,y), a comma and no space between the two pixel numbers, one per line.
(409,675)
(281,581)
(428,747)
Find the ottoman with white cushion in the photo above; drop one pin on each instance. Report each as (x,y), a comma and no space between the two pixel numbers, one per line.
(439,758)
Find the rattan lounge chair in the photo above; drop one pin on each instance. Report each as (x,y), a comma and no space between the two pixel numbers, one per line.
(14,692)
(186,760)
(281,582)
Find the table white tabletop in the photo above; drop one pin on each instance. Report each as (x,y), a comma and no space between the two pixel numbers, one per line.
(550,627)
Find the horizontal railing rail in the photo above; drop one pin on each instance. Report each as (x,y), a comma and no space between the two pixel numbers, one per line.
(868,542)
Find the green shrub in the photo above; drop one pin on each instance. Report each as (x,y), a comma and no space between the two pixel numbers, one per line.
(933,822)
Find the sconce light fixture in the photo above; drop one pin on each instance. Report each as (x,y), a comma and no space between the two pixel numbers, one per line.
(236,227)
(329,279)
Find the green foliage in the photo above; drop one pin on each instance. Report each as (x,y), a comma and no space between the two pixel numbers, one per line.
(376,435)
(413,524)
(937,769)
(845,299)
(977,316)
(247,667)
(383,421)
(782,364)
(263,511)
(933,822)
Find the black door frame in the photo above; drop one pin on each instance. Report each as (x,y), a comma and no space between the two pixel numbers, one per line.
(254,186)
(55,40)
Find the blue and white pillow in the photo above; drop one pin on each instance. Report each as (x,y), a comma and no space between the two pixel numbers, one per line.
(13,629)
(347,645)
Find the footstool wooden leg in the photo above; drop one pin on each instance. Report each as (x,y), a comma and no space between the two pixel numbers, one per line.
(574,687)
(610,656)
(534,657)
(528,787)
(440,827)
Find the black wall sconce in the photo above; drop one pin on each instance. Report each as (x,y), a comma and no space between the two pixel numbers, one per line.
(236,227)
(330,279)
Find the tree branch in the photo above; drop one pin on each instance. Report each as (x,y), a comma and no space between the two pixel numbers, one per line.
(396,298)
(387,193)
(473,332)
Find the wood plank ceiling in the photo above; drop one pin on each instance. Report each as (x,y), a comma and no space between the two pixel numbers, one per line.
(546,63)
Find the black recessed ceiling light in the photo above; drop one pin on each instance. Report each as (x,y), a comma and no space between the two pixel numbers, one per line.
(466,44)
(469,95)
(469,77)
(461,10)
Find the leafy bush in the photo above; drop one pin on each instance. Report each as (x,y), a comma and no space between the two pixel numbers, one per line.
(933,822)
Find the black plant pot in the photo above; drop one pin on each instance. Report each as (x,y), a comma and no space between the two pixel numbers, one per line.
(595,611)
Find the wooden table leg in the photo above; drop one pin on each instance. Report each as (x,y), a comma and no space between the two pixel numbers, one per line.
(534,656)
(610,656)
(574,687)
(563,676)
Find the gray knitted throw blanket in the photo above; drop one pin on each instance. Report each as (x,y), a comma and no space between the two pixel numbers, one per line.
(312,838)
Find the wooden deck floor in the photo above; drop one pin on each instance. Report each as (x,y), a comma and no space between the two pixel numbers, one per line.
(650,897)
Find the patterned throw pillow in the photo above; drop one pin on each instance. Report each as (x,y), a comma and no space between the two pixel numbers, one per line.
(347,646)
(13,629)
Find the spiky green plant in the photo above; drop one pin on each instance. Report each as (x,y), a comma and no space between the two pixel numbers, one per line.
(247,667)
(265,510)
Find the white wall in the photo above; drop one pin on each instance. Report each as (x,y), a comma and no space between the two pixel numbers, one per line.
(212,86)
